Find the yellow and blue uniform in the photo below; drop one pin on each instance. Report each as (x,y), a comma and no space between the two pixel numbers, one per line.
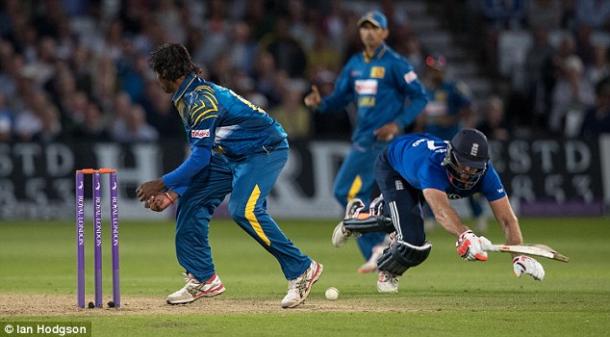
(379,86)
(446,100)
(235,148)
(413,163)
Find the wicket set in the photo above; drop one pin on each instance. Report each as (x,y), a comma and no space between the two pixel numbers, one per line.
(97,228)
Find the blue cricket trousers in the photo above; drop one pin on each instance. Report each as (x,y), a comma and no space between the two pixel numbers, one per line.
(249,181)
(356,179)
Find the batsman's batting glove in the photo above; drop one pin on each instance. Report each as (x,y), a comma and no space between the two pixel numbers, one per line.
(526,265)
(471,247)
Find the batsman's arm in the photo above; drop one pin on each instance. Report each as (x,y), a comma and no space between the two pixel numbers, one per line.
(503,212)
(443,212)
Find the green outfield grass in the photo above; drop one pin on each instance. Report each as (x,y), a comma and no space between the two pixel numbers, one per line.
(445,296)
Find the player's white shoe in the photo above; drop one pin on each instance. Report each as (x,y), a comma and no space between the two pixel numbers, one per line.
(387,283)
(340,234)
(299,288)
(194,290)
(371,265)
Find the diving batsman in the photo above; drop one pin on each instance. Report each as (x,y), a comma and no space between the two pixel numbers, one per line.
(420,167)
(379,82)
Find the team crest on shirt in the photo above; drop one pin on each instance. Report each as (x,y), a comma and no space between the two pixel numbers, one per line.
(200,133)
(377,72)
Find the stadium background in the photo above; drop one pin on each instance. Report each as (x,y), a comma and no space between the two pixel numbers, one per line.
(76,91)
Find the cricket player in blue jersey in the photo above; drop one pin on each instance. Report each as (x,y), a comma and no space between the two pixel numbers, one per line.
(378,81)
(449,101)
(420,167)
(449,104)
(235,148)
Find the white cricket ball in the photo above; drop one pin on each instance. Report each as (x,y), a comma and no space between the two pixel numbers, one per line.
(332,293)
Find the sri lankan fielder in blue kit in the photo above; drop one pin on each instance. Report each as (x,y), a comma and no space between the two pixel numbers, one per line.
(449,105)
(378,81)
(235,148)
(420,167)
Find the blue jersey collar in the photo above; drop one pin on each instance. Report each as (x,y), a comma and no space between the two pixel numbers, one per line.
(377,54)
(188,79)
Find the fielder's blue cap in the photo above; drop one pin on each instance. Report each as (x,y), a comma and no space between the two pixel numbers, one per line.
(376,18)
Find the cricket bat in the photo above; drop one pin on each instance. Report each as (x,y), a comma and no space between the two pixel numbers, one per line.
(533,249)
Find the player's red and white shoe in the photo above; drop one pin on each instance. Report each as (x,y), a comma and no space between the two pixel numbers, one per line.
(299,288)
(387,283)
(194,290)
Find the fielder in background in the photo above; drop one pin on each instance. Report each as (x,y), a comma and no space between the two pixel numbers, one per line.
(235,148)
(378,81)
(420,167)
(449,106)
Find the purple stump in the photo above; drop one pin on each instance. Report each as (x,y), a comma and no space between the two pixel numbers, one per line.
(97,230)
(114,218)
(80,238)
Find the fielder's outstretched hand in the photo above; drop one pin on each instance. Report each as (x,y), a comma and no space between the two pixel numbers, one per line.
(472,247)
(526,265)
(313,99)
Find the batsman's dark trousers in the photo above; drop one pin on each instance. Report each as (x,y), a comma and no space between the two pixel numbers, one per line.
(403,202)
(249,181)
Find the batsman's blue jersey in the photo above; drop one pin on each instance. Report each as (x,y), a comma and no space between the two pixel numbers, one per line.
(418,159)
(217,118)
(379,86)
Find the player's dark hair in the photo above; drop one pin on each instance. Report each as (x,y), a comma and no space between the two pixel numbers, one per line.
(172,61)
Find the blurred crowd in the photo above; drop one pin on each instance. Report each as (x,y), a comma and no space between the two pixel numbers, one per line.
(78,69)
(554,56)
